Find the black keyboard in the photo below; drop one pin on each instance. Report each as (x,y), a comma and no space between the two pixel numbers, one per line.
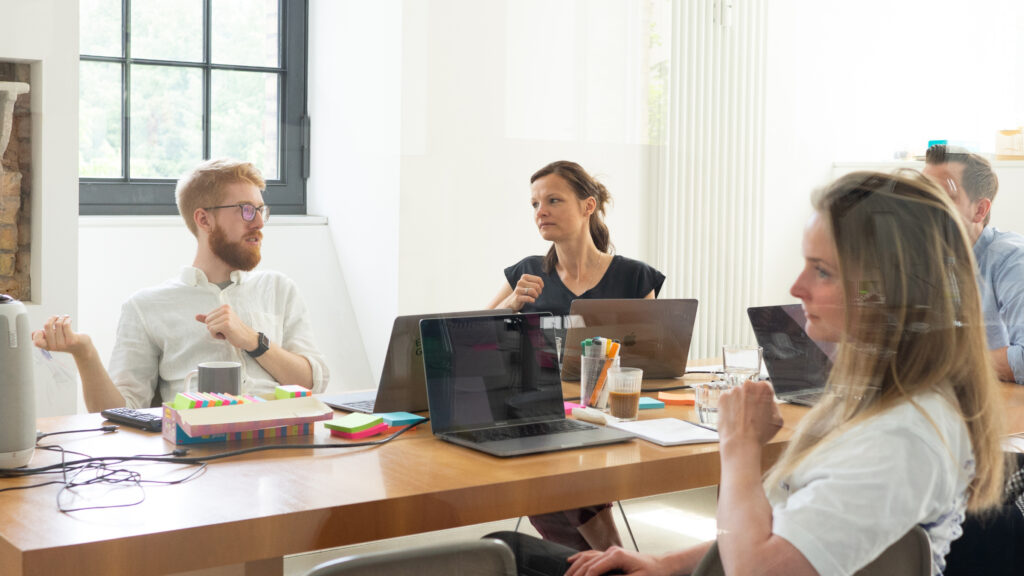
(522,430)
(136,418)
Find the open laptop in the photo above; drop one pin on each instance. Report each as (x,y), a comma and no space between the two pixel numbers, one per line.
(797,365)
(493,385)
(402,387)
(654,334)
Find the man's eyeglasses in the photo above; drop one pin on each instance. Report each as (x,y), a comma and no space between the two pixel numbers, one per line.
(248,211)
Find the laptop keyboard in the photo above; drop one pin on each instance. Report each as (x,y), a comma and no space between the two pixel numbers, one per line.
(522,431)
(360,406)
(808,398)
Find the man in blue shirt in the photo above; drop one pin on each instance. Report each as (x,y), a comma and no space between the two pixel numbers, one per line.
(972,185)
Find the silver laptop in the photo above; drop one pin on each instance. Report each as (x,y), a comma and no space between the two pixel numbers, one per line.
(402,387)
(654,334)
(493,385)
(798,366)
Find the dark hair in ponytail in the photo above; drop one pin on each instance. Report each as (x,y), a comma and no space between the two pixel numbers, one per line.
(585,187)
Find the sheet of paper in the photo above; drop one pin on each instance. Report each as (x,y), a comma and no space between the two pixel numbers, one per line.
(668,431)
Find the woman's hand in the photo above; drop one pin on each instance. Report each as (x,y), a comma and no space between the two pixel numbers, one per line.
(594,563)
(749,412)
(526,291)
(57,336)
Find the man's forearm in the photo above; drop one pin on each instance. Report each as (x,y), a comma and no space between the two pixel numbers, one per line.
(1001,364)
(287,367)
(97,387)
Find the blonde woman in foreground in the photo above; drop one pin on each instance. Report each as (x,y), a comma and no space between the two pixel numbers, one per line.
(908,433)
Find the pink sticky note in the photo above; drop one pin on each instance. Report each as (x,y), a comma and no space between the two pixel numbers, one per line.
(371,431)
(569,406)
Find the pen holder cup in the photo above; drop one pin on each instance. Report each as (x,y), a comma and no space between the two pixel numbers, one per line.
(594,380)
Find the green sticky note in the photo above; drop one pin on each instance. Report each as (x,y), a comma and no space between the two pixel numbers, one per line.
(354,422)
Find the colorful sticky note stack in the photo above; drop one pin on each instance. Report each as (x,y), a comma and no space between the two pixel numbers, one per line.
(355,426)
(189,400)
(291,391)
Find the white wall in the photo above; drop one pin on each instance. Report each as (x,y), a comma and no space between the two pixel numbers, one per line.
(801,116)
(44,33)
(355,108)
(492,104)
(430,117)
(857,80)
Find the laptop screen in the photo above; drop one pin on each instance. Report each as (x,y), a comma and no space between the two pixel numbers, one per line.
(490,371)
(655,334)
(794,361)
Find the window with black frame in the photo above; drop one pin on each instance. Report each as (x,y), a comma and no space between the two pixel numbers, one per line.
(165,84)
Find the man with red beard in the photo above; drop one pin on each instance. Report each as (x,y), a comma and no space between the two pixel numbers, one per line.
(215,310)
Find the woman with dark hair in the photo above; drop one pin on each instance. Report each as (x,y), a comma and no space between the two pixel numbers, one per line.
(569,207)
(908,431)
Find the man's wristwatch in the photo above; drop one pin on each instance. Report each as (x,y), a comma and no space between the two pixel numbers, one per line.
(264,345)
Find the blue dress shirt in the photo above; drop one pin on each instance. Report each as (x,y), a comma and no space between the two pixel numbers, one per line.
(1000,257)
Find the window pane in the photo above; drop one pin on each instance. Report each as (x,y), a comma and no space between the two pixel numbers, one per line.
(244,110)
(167,30)
(99,120)
(166,120)
(244,32)
(99,27)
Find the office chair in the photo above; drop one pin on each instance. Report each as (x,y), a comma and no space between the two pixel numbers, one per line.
(486,557)
(909,556)
(624,519)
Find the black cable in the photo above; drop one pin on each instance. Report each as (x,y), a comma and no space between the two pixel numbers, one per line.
(104,474)
(41,435)
(19,472)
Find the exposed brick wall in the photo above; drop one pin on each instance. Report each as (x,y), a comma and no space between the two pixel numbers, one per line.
(16,193)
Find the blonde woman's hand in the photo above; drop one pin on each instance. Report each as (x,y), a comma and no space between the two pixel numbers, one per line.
(749,412)
(526,291)
(594,563)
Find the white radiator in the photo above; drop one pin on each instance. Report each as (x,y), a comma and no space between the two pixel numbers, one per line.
(708,203)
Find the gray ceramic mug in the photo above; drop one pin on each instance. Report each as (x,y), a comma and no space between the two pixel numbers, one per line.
(221,377)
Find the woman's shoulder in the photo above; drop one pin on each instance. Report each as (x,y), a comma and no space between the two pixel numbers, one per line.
(529,265)
(627,263)
(928,418)
(639,275)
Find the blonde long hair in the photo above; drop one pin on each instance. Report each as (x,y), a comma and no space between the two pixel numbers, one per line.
(913,319)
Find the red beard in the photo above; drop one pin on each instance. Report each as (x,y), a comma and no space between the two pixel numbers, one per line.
(238,255)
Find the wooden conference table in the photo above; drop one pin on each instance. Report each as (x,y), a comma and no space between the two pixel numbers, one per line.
(244,513)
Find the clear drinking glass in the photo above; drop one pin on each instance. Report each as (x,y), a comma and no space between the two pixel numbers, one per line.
(706,396)
(741,363)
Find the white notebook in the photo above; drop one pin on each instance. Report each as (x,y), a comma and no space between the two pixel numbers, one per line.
(668,431)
